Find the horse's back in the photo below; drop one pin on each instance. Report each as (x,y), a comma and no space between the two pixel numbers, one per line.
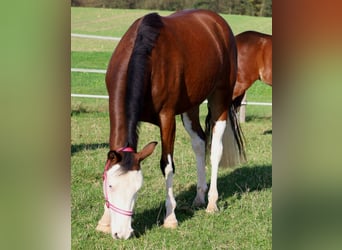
(191,57)
(252,37)
(199,33)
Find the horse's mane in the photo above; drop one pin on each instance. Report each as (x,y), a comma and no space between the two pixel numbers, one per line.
(145,40)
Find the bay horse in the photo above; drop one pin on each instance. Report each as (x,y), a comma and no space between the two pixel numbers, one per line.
(254,62)
(162,67)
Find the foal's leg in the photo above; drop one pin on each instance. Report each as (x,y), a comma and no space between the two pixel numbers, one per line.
(167,130)
(193,127)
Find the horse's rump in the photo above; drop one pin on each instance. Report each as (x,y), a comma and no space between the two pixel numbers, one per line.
(189,60)
(254,61)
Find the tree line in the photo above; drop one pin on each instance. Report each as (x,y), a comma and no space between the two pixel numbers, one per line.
(239,7)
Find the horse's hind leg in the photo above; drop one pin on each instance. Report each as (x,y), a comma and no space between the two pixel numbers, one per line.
(218,122)
(193,127)
(215,157)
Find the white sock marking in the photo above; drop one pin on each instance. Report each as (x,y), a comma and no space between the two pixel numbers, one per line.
(198,146)
(170,199)
(215,157)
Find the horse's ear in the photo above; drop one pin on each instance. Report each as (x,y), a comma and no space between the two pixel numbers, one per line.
(147,150)
(114,156)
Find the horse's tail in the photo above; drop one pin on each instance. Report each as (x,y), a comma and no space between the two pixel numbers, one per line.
(233,140)
(137,74)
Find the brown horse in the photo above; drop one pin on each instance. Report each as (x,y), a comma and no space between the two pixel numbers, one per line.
(254,62)
(162,67)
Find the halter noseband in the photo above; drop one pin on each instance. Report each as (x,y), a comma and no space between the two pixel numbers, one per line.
(108,204)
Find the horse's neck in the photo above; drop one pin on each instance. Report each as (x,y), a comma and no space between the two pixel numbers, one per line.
(119,129)
(118,139)
(118,125)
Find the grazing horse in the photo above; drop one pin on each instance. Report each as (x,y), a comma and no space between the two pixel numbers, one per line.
(162,67)
(254,62)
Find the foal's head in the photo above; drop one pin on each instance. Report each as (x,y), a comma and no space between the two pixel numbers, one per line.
(122,179)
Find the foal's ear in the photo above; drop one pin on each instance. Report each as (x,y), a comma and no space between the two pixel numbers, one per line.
(113,156)
(147,150)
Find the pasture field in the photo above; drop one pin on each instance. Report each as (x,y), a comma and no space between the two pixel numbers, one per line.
(245,193)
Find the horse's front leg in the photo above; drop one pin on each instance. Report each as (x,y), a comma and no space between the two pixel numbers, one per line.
(167,131)
(104,223)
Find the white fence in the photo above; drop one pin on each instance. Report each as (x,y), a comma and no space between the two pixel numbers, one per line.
(103,71)
(107,97)
(96,37)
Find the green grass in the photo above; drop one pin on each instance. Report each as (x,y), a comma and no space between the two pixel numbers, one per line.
(245,193)
(244,220)
(90,60)
(115,22)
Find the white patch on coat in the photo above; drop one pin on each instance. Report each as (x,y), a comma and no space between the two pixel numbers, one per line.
(170,203)
(215,157)
(198,146)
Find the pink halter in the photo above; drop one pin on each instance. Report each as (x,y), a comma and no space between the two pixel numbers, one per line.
(108,204)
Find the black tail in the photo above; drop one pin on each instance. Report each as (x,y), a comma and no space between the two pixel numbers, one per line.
(145,40)
(233,140)
(238,135)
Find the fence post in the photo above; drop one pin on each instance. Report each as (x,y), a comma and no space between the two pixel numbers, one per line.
(242,111)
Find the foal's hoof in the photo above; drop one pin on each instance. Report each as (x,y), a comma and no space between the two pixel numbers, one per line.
(103,228)
(211,208)
(171,224)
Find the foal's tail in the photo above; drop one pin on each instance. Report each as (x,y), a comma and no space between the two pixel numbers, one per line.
(233,140)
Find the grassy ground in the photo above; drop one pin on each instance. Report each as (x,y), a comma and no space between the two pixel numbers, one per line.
(244,220)
(245,193)
(115,22)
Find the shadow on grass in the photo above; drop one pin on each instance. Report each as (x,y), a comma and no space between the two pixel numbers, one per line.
(81,147)
(267,132)
(257,118)
(241,180)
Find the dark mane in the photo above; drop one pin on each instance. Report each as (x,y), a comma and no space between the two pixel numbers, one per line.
(147,35)
(127,162)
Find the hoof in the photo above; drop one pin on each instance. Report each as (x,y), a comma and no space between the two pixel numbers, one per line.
(103,228)
(198,202)
(211,208)
(170,224)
